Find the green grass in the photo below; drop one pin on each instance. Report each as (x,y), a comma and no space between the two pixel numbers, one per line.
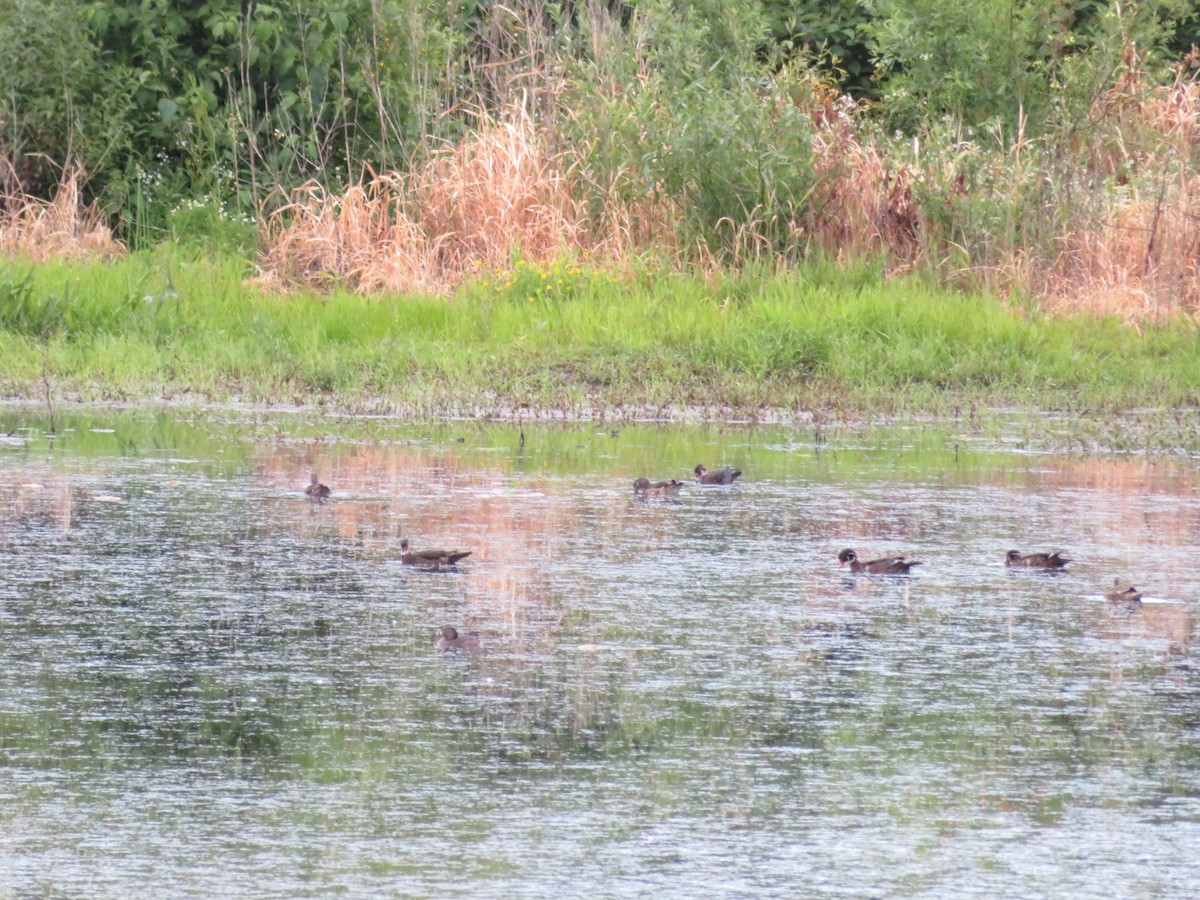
(824,337)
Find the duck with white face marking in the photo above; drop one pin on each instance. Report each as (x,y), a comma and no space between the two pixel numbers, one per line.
(1052,561)
(888,565)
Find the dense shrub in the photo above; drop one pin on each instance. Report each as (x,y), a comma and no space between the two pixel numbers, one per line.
(677,107)
(160,101)
(994,61)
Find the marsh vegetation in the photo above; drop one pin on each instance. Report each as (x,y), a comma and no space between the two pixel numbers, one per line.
(609,209)
(827,341)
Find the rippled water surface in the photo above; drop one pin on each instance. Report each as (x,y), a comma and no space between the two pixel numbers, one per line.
(209,685)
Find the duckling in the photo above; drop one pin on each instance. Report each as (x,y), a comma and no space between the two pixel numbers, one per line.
(317,491)
(1123,592)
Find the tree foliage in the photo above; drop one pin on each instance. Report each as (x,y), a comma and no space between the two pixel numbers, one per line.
(235,99)
(221,96)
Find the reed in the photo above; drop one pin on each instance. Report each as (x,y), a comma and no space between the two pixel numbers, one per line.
(63,226)
(1103,223)
(1139,256)
(498,195)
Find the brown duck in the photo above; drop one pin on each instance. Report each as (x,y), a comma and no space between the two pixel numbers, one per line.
(316,490)
(889,565)
(1123,592)
(1052,560)
(644,487)
(721,476)
(433,559)
(451,642)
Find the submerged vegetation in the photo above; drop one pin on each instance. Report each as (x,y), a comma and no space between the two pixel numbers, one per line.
(632,205)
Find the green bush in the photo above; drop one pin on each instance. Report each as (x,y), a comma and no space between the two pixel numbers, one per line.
(990,61)
(832,33)
(165,101)
(204,223)
(980,60)
(681,106)
(23,311)
(61,101)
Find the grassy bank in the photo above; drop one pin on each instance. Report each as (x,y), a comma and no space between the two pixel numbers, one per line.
(573,340)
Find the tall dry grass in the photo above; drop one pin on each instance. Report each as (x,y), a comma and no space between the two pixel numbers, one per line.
(1109,224)
(863,203)
(63,226)
(1140,256)
(502,191)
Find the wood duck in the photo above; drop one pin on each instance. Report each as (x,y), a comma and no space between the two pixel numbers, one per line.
(450,642)
(1123,592)
(721,476)
(888,565)
(644,487)
(1051,560)
(434,559)
(316,490)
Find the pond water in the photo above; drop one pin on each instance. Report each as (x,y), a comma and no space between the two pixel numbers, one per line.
(209,685)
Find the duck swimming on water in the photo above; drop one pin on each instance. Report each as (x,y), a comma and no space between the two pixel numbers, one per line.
(888,565)
(433,559)
(317,491)
(644,487)
(1051,560)
(451,642)
(1123,592)
(726,475)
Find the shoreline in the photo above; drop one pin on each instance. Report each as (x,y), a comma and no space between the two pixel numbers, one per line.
(1137,432)
(815,347)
